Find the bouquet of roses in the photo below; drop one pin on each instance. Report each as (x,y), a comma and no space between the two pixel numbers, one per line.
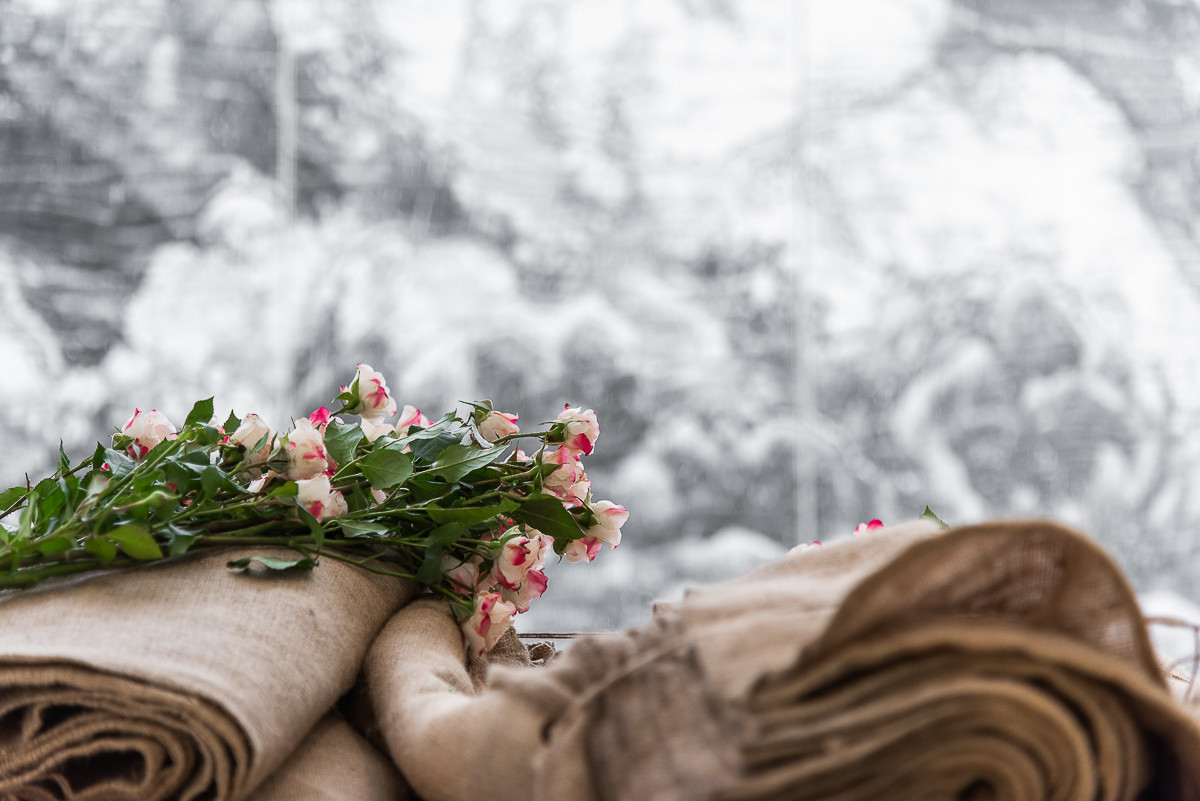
(447,504)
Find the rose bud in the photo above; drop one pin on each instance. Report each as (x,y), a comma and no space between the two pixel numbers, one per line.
(248,434)
(369,396)
(147,429)
(497,425)
(491,618)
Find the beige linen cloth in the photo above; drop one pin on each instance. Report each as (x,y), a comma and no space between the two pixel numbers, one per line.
(186,680)
(1004,661)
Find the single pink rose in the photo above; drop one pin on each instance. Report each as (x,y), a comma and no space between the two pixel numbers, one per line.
(147,430)
(868,526)
(532,588)
(321,500)
(609,519)
(320,418)
(410,416)
(518,556)
(562,483)
(487,624)
(371,398)
(464,575)
(583,550)
(580,429)
(252,429)
(305,449)
(498,425)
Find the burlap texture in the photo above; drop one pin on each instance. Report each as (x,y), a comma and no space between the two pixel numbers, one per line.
(1000,661)
(334,763)
(180,679)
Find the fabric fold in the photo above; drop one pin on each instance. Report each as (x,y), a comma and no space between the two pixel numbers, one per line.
(1003,661)
(334,763)
(180,679)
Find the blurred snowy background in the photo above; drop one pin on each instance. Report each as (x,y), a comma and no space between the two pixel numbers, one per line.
(812,262)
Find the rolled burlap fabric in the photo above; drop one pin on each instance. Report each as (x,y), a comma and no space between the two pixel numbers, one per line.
(334,763)
(180,679)
(1000,661)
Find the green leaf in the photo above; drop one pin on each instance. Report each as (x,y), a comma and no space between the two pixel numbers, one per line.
(446,535)
(211,479)
(357,528)
(386,468)
(547,515)
(211,435)
(55,544)
(288,489)
(11,496)
(430,571)
(341,440)
(274,563)
(314,526)
(51,499)
(469,515)
(25,523)
(929,515)
(456,461)
(104,550)
(182,477)
(98,457)
(136,542)
(64,464)
(118,463)
(179,540)
(202,412)
(429,448)
(232,423)
(197,458)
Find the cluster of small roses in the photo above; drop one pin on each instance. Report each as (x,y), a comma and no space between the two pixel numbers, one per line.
(516,575)
(500,581)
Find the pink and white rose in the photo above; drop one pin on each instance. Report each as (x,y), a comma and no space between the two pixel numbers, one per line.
(532,588)
(147,429)
(518,556)
(305,449)
(568,474)
(583,550)
(252,429)
(487,624)
(370,397)
(580,429)
(463,574)
(319,498)
(869,526)
(374,429)
(497,425)
(410,416)
(609,519)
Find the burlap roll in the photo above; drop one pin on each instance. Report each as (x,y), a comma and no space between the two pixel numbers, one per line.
(180,679)
(1000,661)
(334,763)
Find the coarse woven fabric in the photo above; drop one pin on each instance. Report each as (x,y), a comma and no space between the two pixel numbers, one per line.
(1004,661)
(334,763)
(178,679)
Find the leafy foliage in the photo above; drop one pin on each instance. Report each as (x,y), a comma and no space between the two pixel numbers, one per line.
(409,500)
